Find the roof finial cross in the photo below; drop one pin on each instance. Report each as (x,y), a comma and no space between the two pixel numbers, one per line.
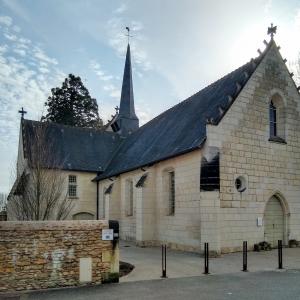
(22,112)
(117,109)
(128,35)
(272,30)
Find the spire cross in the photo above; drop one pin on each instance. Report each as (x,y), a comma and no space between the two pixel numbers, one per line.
(117,109)
(272,30)
(22,112)
(128,35)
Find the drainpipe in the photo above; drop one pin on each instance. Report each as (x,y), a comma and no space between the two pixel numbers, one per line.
(97,201)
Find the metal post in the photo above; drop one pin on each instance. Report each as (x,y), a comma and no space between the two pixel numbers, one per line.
(245,258)
(206,259)
(280,254)
(164,261)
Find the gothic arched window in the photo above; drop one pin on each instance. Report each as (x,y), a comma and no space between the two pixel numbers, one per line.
(277,119)
(273,119)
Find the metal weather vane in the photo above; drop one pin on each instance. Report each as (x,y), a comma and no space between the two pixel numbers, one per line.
(128,34)
(272,30)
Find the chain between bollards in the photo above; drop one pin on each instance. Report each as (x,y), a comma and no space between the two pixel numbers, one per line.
(206,258)
(280,254)
(245,258)
(164,261)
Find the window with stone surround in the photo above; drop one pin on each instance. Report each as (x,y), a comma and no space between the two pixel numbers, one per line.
(277,119)
(168,180)
(72,187)
(129,198)
(210,174)
(171,193)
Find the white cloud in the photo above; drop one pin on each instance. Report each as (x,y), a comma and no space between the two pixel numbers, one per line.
(27,75)
(16,29)
(17,8)
(117,40)
(20,52)
(144,114)
(109,86)
(268,6)
(5,20)
(122,8)
(41,55)
(10,37)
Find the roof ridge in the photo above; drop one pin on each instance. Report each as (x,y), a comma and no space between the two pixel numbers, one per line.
(98,130)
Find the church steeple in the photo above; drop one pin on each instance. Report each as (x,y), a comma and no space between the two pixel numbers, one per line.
(126,121)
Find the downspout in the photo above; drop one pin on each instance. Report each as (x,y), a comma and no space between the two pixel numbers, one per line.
(97,201)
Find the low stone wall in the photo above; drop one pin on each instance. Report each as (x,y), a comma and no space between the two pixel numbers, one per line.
(38,255)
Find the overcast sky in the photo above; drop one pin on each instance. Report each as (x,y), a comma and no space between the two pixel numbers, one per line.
(178,47)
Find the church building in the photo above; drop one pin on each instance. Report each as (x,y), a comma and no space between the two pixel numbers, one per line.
(222,166)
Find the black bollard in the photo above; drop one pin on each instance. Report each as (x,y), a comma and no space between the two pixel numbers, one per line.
(206,259)
(245,258)
(280,254)
(164,261)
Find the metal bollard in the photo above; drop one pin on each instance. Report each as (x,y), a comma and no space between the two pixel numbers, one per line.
(206,259)
(164,261)
(280,254)
(245,258)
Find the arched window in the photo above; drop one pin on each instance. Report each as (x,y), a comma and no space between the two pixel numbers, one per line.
(83,216)
(273,119)
(277,119)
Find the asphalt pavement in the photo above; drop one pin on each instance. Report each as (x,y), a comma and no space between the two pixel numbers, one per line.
(266,285)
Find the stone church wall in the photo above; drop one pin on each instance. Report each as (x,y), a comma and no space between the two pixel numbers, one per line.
(38,255)
(150,223)
(268,167)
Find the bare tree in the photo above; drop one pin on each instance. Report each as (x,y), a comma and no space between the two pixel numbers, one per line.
(39,192)
(3,201)
(294,67)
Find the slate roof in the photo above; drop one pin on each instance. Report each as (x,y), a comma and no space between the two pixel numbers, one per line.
(73,148)
(182,128)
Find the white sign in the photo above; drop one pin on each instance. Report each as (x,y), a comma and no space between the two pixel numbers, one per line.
(259,221)
(107,234)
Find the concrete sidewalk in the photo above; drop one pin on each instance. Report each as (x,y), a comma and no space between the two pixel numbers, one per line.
(147,262)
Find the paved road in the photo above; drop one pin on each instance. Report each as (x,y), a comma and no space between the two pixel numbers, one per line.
(147,262)
(265,285)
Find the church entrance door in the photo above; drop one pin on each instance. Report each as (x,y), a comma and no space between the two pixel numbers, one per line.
(274,221)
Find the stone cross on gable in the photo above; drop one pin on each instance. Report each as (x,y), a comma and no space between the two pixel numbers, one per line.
(22,112)
(272,30)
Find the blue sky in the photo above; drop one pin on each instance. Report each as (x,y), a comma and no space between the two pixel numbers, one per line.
(178,47)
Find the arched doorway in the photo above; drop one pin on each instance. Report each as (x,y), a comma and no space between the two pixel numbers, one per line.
(274,221)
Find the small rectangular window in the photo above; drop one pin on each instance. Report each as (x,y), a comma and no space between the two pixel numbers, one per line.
(72,188)
(171,193)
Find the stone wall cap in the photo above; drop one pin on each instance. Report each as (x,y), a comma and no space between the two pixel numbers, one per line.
(53,225)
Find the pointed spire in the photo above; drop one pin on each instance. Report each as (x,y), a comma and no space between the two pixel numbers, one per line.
(127,99)
(127,120)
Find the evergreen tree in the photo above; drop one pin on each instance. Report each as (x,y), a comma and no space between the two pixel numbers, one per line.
(72,105)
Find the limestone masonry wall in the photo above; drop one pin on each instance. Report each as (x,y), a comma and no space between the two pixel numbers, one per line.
(37,255)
